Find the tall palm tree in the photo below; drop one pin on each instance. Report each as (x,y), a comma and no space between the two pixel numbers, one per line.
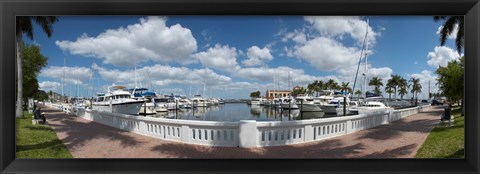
(311,88)
(396,82)
(402,91)
(345,88)
(24,25)
(416,87)
(390,84)
(318,86)
(389,91)
(450,22)
(331,84)
(377,82)
(358,93)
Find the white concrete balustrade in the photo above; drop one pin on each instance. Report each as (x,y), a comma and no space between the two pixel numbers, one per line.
(246,133)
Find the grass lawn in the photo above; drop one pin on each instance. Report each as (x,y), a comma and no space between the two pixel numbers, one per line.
(445,142)
(38,141)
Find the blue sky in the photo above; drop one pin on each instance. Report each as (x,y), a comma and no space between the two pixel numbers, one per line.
(234,55)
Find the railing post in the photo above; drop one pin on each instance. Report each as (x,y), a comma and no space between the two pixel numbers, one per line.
(308,133)
(247,133)
(185,135)
(349,128)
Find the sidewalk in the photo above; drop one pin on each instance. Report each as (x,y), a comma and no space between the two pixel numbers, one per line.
(87,139)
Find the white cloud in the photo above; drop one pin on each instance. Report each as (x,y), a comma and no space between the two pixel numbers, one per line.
(150,39)
(160,75)
(222,58)
(73,75)
(298,36)
(339,26)
(257,56)
(453,35)
(326,54)
(441,56)
(49,86)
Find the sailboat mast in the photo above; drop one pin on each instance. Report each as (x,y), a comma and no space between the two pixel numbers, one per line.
(136,77)
(274,81)
(289,80)
(63,80)
(204,90)
(77,84)
(366,63)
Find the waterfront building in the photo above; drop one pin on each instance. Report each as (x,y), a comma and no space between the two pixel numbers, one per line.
(277,93)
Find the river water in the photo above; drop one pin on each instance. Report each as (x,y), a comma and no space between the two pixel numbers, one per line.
(239,111)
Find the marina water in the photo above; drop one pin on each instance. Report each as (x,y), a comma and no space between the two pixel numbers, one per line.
(231,112)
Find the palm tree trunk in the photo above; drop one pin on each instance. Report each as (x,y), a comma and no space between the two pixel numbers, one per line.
(19,111)
(396,93)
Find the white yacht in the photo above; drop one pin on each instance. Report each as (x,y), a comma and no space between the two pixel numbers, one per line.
(288,103)
(117,101)
(336,104)
(370,107)
(307,103)
(199,101)
(148,107)
(161,104)
(171,102)
(185,103)
(325,97)
(255,101)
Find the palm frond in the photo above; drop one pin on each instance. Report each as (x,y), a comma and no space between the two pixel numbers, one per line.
(460,41)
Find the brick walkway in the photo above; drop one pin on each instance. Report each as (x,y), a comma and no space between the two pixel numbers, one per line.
(87,139)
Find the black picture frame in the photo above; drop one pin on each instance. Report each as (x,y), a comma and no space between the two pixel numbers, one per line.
(9,9)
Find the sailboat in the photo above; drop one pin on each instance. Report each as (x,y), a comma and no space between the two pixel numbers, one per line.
(368,106)
(288,102)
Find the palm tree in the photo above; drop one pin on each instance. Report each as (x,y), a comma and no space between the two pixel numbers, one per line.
(416,87)
(311,88)
(24,25)
(358,93)
(390,85)
(403,91)
(377,82)
(396,82)
(450,22)
(389,91)
(345,87)
(321,85)
(331,84)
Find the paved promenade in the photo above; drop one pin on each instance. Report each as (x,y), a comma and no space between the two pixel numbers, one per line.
(87,139)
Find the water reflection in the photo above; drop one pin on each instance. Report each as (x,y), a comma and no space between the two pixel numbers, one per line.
(239,111)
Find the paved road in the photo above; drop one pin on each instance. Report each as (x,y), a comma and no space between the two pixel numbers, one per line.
(87,139)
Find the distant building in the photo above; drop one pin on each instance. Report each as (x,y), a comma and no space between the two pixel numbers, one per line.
(277,93)
(297,88)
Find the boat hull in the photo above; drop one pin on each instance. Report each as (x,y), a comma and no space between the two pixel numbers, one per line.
(329,109)
(148,109)
(289,106)
(130,108)
(161,108)
(310,108)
